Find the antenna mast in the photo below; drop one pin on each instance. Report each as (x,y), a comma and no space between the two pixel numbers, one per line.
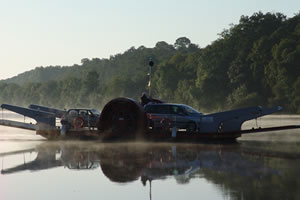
(151,63)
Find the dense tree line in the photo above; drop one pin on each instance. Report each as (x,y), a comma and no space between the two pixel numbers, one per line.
(255,62)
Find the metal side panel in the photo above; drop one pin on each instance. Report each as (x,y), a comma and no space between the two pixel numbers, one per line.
(58,113)
(38,115)
(16,124)
(231,121)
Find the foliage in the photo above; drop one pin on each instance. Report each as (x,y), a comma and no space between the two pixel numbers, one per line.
(255,62)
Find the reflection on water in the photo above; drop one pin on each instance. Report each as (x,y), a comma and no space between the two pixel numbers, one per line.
(252,168)
(237,171)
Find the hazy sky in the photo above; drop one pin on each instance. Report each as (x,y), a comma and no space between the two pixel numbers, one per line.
(62,32)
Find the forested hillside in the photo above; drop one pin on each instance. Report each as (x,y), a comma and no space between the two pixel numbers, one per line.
(255,62)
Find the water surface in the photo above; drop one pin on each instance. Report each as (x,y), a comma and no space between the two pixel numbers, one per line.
(260,166)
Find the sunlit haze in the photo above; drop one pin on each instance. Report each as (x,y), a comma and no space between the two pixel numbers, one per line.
(42,33)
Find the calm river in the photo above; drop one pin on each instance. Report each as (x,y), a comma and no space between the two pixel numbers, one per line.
(259,166)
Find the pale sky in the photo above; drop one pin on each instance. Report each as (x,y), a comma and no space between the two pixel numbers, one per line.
(61,32)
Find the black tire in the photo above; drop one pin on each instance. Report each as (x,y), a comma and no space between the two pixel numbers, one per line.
(165,124)
(191,127)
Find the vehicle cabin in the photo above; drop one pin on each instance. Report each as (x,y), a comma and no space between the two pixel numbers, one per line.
(165,116)
(79,118)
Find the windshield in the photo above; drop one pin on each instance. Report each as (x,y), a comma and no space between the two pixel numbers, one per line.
(190,110)
(95,112)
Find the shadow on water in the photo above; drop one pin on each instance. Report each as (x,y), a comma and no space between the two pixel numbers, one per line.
(242,171)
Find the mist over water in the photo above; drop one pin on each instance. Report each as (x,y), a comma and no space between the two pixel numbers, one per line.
(41,169)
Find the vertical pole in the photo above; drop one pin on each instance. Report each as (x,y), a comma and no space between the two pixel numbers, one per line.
(151,63)
(150,189)
(150,74)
